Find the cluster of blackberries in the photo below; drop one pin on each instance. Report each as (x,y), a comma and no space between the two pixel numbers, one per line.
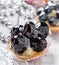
(52,20)
(29,31)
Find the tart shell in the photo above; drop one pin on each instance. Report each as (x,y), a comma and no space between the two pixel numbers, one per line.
(26,57)
(53,28)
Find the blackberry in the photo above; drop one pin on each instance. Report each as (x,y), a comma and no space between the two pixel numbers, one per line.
(19,48)
(57,7)
(43,17)
(48,10)
(29,29)
(53,7)
(38,46)
(43,30)
(52,21)
(18,44)
(14,31)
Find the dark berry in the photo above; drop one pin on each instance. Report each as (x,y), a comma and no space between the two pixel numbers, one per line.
(21,39)
(14,40)
(21,28)
(38,46)
(14,31)
(43,17)
(18,44)
(34,40)
(43,30)
(57,7)
(29,29)
(48,10)
(52,21)
(57,22)
(19,48)
(53,7)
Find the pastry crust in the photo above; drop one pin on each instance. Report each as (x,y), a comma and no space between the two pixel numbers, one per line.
(53,28)
(24,57)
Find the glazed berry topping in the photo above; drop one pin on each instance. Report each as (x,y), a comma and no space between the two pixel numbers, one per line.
(52,21)
(18,44)
(53,7)
(48,10)
(19,48)
(14,31)
(38,46)
(43,30)
(57,7)
(29,29)
(14,40)
(30,34)
(43,17)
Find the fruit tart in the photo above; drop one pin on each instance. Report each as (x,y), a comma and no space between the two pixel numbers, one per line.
(50,15)
(29,41)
